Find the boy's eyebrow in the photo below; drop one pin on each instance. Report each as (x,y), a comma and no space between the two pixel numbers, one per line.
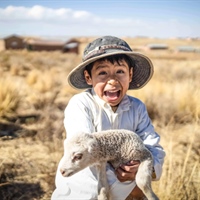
(101,66)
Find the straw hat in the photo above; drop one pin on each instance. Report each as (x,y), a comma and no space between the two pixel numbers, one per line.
(107,46)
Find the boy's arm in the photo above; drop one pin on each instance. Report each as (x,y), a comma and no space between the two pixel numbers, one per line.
(78,117)
(151,140)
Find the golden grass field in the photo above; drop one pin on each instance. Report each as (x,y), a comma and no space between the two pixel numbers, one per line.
(34,93)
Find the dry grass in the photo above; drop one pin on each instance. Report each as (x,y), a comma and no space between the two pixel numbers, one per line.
(34,93)
(9,97)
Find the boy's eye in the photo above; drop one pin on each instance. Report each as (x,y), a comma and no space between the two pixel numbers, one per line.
(102,73)
(120,72)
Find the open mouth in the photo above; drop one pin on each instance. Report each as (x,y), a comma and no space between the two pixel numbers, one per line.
(66,174)
(112,95)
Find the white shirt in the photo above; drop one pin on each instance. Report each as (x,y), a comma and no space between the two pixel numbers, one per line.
(86,112)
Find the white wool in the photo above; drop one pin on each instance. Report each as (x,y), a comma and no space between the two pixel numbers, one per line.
(113,146)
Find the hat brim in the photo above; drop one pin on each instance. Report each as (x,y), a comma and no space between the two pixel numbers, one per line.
(142,71)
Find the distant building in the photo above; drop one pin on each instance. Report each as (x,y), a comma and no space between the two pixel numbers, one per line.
(14,42)
(36,44)
(43,45)
(71,46)
(188,49)
(157,46)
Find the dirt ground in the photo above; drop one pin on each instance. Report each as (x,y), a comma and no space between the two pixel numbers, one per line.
(34,93)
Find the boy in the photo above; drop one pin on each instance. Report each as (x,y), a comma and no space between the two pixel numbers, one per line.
(108,70)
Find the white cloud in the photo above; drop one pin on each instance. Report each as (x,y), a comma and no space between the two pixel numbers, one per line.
(41,20)
(37,12)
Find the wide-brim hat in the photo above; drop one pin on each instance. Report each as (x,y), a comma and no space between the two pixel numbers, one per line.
(107,46)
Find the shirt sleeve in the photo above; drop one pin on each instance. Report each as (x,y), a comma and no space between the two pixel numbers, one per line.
(77,116)
(151,139)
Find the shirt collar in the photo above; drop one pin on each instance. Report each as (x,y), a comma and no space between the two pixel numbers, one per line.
(123,106)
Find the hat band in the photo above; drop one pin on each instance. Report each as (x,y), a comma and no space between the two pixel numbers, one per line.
(102,49)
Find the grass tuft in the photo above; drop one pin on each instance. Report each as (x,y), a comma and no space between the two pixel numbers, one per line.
(9,97)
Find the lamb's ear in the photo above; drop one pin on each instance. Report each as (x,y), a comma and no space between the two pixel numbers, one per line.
(92,145)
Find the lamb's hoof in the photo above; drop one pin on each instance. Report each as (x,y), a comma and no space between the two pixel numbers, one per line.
(100,197)
(103,195)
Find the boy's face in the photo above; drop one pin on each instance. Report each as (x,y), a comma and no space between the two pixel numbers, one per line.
(110,81)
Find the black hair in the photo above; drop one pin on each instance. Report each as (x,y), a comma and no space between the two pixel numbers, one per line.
(113,58)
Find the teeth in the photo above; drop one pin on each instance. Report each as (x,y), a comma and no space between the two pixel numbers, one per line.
(112,91)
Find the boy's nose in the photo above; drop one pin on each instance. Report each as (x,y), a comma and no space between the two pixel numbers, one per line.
(113,81)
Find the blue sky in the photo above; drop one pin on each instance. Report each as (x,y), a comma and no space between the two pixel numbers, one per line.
(158,18)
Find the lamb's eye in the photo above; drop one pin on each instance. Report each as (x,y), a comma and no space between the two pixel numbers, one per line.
(77,157)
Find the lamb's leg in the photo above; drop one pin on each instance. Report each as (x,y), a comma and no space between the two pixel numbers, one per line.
(143,179)
(103,188)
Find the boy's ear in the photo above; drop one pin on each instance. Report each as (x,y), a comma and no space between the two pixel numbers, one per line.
(87,77)
(130,74)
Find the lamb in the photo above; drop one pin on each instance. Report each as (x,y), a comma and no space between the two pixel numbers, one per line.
(113,146)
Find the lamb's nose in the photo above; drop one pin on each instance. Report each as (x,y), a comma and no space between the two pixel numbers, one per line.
(62,171)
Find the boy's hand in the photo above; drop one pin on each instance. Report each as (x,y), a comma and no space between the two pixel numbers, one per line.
(128,171)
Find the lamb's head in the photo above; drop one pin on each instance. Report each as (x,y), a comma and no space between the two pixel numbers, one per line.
(78,153)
